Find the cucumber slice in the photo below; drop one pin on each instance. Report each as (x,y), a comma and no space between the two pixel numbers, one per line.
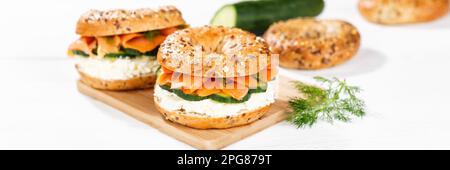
(131,53)
(256,16)
(187,97)
(259,89)
(166,87)
(119,55)
(152,53)
(80,53)
(182,95)
(158,71)
(223,98)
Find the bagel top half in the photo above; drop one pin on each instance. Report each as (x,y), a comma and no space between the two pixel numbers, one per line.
(214,51)
(119,21)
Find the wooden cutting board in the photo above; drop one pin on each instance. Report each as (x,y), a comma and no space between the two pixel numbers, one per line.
(139,104)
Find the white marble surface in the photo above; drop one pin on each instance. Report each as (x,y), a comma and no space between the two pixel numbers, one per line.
(403,71)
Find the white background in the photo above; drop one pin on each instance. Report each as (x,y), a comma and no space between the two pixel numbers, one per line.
(403,71)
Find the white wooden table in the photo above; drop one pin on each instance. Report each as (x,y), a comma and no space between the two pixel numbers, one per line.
(404,72)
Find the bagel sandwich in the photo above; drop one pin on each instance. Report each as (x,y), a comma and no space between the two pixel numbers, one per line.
(214,77)
(117,48)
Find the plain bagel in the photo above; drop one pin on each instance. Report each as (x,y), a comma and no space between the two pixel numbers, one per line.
(219,48)
(305,43)
(392,12)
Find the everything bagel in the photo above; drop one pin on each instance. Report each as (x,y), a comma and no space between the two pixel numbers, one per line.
(312,44)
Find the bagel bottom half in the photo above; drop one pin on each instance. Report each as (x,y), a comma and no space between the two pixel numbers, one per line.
(200,121)
(142,82)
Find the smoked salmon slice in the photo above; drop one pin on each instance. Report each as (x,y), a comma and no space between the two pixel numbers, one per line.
(140,42)
(110,44)
(165,70)
(85,44)
(206,92)
(168,31)
(178,81)
(164,79)
(188,91)
(238,94)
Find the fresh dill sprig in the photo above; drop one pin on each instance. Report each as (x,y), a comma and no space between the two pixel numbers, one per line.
(337,101)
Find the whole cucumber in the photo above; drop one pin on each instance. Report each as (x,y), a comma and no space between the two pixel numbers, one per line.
(257,16)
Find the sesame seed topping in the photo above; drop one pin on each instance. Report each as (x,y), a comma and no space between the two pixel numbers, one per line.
(215,48)
(119,14)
